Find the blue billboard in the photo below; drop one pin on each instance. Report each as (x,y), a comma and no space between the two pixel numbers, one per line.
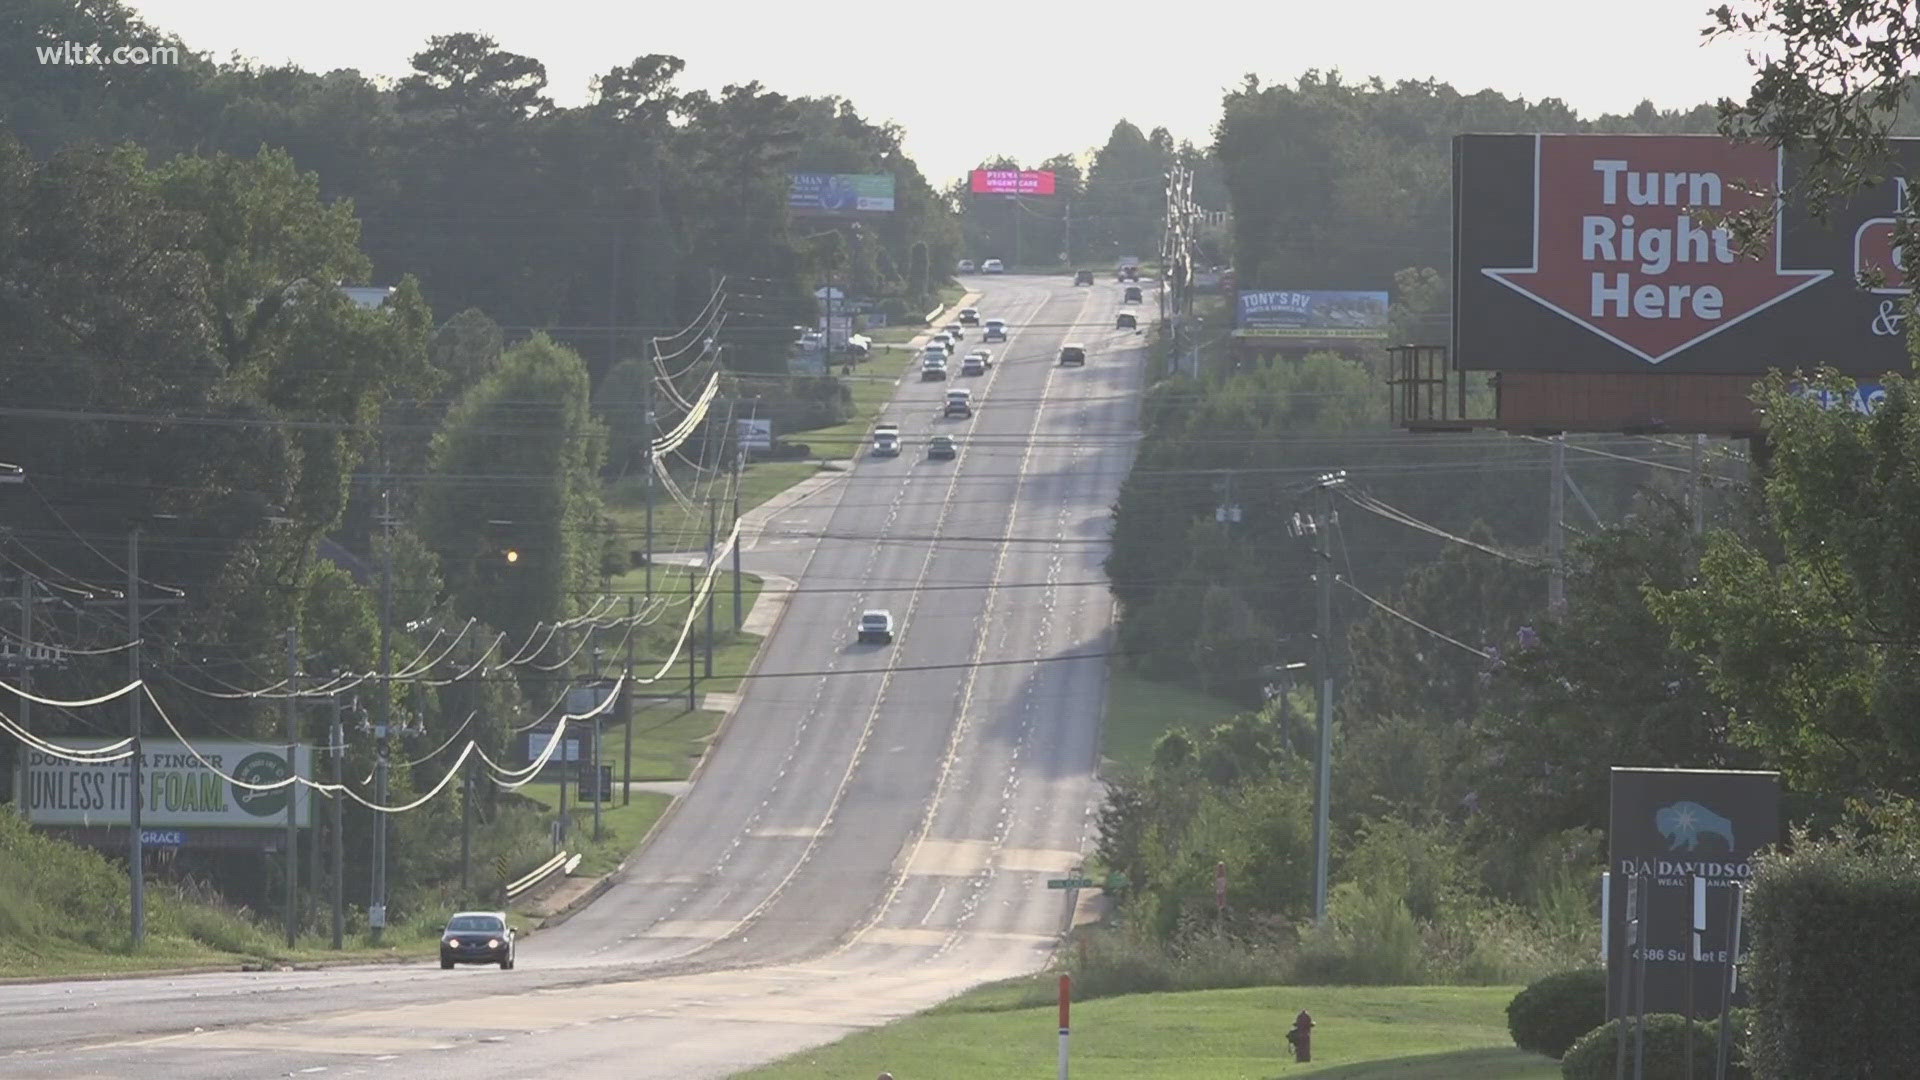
(839,193)
(1311,315)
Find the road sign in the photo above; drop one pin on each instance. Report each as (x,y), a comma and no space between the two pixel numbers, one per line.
(1071,883)
(600,790)
(500,866)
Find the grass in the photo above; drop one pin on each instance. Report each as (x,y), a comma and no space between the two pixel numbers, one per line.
(1139,710)
(621,827)
(1406,1033)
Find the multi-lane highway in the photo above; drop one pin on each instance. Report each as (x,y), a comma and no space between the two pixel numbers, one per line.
(858,845)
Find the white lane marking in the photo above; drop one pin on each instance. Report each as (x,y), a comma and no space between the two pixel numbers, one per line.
(971,680)
(935,906)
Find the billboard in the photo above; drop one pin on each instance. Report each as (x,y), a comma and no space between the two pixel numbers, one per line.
(1312,316)
(1610,254)
(1668,826)
(754,434)
(839,193)
(1011,182)
(178,791)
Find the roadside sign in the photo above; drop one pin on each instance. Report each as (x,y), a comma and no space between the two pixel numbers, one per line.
(500,866)
(1115,881)
(1071,883)
(162,838)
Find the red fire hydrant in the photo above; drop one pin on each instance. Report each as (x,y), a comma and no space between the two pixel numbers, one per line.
(1301,1037)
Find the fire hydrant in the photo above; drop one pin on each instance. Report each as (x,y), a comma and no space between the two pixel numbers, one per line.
(1301,1037)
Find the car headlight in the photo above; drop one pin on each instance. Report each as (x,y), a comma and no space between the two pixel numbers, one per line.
(493,943)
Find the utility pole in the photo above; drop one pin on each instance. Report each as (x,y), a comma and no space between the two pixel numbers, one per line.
(646,437)
(739,619)
(566,688)
(337,741)
(693,592)
(1323,641)
(136,866)
(1699,485)
(626,705)
(593,764)
(466,813)
(1067,240)
(291,713)
(377,905)
(1018,209)
(1556,527)
(713,525)
(26,649)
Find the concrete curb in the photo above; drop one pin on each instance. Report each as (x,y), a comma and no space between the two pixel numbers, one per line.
(594,892)
(241,967)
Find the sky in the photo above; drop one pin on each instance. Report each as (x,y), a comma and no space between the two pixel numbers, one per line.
(972,82)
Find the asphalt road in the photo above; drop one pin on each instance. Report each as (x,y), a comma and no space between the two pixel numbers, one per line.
(858,845)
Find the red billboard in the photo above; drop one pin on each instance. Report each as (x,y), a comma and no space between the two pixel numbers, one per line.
(1012,182)
(1612,253)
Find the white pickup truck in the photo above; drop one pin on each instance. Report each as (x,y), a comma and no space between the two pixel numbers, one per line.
(886,440)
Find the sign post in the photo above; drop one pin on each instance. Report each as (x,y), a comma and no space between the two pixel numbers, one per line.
(1671,828)
(1066,997)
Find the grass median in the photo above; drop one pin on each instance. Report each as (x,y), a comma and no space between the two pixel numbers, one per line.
(1140,710)
(1008,1029)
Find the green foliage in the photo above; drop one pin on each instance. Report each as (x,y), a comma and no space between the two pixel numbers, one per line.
(620,402)
(1834,972)
(1369,939)
(1551,1014)
(1593,1057)
(1806,635)
(919,280)
(528,420)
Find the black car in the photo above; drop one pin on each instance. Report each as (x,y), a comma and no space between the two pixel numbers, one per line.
(1083,277)
(1132,295)
(969,316)
(1126,321)
(477,937)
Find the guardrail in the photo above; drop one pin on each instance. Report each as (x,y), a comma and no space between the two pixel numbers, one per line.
(932,315)
(561,863)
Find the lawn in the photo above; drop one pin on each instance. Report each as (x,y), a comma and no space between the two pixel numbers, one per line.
(621,827)
(1403,1033)
(1139,710)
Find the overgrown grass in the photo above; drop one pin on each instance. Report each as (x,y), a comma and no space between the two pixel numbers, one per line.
(1008,1029)
(1140,710)
(64,912)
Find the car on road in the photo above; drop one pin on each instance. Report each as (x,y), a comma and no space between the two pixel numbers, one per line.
(993,266)
(959,403)
(1083,277)
(477,937)
(933,366)
(976,362)
(875,627)
(1126,320)
(943,339)
(943,446)
(969,316)
(996,330)
(1129,271)
(886,440)
(965,266)
(1073,353)
(1132,295)
(958,332)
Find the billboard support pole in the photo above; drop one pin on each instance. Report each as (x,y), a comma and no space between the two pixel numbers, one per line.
(1556,527)
(739,620)
(136,868)
(292,723)
(26,649)
(626,695)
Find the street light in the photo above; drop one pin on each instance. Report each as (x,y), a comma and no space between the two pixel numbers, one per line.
(1323,767)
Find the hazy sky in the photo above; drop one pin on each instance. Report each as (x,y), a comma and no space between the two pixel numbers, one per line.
(1027,80)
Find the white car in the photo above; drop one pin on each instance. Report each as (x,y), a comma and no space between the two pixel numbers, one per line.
(959,403)
(965,267)
(993,266)
(933,367)
(875,627)
(976,362)
(886,440)
(1073,352)
(945,340)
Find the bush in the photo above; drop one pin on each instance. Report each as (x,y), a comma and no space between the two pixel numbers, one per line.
(1132,960)
(1593,1056)
(1549,1016)
(1369,939)
(1834,975)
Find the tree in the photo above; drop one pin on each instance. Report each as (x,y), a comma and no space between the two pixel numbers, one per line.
(472,77)
(919,284)
(517,470)
(620,403)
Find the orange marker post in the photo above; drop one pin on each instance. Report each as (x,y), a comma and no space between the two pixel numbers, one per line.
(1066,995)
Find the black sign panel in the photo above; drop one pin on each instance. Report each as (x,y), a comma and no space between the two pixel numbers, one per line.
(596,785)
(1668,826)
(1609,254)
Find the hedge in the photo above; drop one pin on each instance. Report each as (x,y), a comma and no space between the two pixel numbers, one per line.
(1549,1016)
(1594,1055)
(1834,970)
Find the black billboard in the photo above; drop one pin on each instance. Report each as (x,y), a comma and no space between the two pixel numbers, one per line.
(1668,826)
(1609,254)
